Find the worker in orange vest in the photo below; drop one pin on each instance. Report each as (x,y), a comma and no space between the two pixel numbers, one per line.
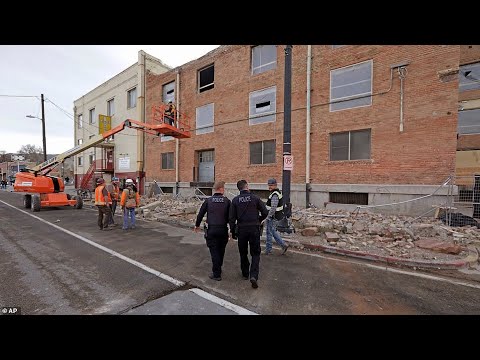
(103,202)
(114,190)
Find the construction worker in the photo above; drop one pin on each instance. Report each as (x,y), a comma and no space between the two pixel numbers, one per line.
(275,214)
(102,202)
(170,112)
(129,201)
(114,190)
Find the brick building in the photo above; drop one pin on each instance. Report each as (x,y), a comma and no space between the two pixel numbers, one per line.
(380,123)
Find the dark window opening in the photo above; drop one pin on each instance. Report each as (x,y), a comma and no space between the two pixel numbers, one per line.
(263,104)
(206,78)
(206,191)
(167,161)
(349,198)
(167,189)
(170,92)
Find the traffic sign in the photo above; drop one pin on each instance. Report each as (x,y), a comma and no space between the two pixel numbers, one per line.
(288,162)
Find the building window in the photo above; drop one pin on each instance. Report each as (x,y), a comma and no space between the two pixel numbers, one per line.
(348,198)
(263,106)
(204,123)
(264,57)
(350,145)
(79,141)
(469,122)
(80,161)
(167,161)
(91,116)
(351,86)
(262,152)
(168,92)
(470,77)
(132,98)
(206,78)
(91,159)
(80,121)
(111,107)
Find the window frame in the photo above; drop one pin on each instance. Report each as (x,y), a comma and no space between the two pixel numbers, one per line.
(91,119)
(129,105)
(263,152)
(80,121)
(111,101)
(201,89)
(252,55)
(205,129)
(351,97)
(79,160)
(350,144)
(167,154)
(265,114)
(165,93)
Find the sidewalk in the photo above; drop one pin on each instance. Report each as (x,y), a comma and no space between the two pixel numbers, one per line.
(310,244)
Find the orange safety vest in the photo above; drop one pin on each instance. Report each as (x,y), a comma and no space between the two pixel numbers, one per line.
(115,193)
(99,198)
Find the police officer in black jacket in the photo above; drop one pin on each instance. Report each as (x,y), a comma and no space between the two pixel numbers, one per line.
(217,208)
(246,214)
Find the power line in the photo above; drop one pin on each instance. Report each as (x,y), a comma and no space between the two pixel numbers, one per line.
(20,96)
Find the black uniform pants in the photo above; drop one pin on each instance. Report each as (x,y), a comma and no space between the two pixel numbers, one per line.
(249,235)
(217,239)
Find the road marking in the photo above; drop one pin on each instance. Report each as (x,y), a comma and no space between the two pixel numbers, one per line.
(239,310)
(228,305)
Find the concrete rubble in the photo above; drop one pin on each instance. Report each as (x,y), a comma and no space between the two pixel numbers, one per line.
(385,235)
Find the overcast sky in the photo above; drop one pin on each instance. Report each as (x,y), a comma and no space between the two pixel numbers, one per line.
(63,73)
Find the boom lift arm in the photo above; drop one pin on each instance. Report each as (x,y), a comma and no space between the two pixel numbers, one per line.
(47,166)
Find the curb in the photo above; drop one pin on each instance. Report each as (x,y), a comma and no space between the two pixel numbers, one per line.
(470,260)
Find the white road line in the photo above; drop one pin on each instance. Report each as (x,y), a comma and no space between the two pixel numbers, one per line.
(199,292)
(228,305)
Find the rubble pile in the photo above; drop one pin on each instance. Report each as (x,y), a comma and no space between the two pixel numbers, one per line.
(387,235)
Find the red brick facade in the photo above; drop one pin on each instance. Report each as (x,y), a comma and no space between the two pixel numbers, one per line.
(424,153)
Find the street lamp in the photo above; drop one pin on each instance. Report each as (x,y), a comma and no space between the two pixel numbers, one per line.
(43,130)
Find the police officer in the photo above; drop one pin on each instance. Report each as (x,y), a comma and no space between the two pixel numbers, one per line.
(244,222)
(217,208)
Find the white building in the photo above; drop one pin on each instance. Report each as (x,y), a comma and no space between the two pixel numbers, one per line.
(121,97)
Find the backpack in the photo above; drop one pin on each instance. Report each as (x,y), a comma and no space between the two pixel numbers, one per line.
(131,199)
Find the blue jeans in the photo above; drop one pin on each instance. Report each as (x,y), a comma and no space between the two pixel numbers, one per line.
(129,213)
(272,232)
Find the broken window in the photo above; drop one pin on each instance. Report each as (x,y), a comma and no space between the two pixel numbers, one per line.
(168,92)
(204,121)
(469,77)
(350,145)
(167,161)
(351,86)
(262,152)
(264,57)
(263,106)
(206,78)
(348,198)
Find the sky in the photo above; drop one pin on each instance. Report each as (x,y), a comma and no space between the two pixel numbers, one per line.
(63,73)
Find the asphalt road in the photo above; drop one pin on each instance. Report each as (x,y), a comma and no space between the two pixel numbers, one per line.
(162,269)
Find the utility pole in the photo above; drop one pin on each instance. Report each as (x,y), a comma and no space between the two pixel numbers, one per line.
(43,131)
(284,224)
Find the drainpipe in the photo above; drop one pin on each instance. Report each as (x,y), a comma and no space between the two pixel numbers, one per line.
(141,116)
(177,141)
(308,186)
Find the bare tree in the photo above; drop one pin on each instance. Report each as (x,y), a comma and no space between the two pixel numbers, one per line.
(32,153)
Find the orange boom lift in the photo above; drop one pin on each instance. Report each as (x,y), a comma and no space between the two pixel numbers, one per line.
(47,191)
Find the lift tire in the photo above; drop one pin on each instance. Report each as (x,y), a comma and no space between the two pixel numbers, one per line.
(79,203)
(36,203)
(27,201)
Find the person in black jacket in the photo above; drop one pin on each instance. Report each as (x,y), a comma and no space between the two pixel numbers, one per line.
(217,208)
(246,214)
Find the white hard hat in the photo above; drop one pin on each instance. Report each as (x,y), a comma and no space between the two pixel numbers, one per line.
(129,181)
